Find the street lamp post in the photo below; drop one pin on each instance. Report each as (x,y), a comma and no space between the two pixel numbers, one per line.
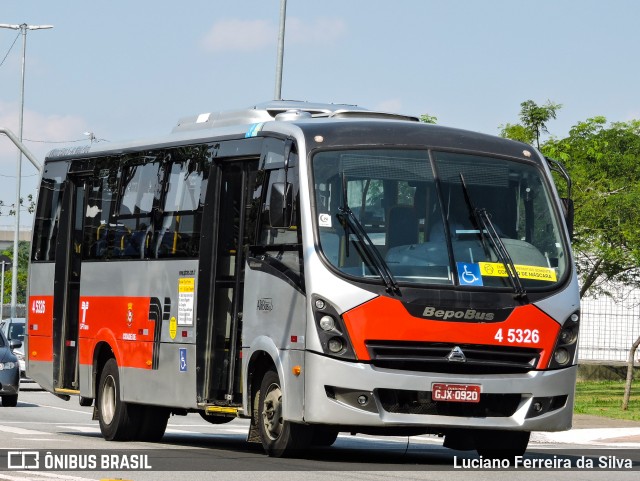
(16,236)
(279,61)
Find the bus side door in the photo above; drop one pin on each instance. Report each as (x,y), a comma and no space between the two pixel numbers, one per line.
(67,288)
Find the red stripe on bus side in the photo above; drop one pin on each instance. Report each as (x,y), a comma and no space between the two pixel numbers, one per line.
(40,328)
(40,349)
(40,315)
(123,321)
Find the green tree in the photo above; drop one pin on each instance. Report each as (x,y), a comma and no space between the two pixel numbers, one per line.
(428,119)
(30,207)
(604,164)
(24,250)
(533,122)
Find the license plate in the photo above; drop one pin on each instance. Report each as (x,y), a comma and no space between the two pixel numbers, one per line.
(459,393)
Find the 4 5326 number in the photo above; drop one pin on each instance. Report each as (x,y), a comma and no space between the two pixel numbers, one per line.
(518,336)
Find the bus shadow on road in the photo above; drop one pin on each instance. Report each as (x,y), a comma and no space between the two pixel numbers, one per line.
(344,455)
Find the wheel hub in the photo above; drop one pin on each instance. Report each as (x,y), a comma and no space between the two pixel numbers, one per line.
(272,412)
(108,400)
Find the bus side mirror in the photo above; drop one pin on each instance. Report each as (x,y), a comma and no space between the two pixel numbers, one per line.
(567,207)
(280,205)
(15,344)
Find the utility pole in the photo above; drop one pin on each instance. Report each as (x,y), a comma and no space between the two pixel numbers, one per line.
(283,17)
(16,236)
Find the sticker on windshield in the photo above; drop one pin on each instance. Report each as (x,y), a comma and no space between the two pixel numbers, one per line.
(324,220)
(496,269)
(469,274)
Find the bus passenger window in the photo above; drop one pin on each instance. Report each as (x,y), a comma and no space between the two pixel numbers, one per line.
(178,234)
(101,199)
(48,212)
(140,191)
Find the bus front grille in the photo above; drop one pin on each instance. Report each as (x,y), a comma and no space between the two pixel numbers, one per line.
(452,358)
(420,402)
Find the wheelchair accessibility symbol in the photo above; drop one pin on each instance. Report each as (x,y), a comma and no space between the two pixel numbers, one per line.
(183,359)
(469,274)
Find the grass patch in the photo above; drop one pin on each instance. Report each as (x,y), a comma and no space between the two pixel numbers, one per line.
(604,398)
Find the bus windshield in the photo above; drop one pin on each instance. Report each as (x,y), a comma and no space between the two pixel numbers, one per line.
(437,218)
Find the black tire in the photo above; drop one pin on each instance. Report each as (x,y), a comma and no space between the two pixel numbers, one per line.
(496,444)
(85,401)
(118,419)
(10,401)
(213,419)
(153,423)
(324,436)
(280,438)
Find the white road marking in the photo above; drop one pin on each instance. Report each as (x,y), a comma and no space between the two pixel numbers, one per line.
(44,439)
(41,477)
(63,409)
(16,430)
(58,476)
(82,429)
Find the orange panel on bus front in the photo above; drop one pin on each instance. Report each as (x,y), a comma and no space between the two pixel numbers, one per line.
(386,319)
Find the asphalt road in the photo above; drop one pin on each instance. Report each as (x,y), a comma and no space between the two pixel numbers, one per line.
(192,449)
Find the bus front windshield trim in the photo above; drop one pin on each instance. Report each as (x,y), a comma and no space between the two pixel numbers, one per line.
(414,216)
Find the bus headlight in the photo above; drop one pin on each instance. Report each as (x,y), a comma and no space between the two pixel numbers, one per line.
(335,345)
(327,323)
(567,343)
(561,356)
(331,329)
(568,335)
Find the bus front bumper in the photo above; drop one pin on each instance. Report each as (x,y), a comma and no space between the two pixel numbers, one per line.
(358,394)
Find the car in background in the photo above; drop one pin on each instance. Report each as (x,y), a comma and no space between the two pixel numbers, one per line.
(14,329)
(9,371)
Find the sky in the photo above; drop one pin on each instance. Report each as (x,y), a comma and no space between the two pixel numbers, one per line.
(125,69)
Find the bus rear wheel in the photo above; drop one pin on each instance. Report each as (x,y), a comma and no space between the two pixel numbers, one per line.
(118,419)
(279,437)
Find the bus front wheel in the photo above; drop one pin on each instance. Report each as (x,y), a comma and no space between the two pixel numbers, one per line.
(153,423)
(278,436)
(118,419)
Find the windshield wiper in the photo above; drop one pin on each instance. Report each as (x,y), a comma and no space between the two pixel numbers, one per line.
(349,221)
(485,225)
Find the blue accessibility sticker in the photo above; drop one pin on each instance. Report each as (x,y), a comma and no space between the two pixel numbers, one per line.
(183,359)
(469,274)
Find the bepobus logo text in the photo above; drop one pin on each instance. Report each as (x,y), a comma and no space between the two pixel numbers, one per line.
(468,314)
